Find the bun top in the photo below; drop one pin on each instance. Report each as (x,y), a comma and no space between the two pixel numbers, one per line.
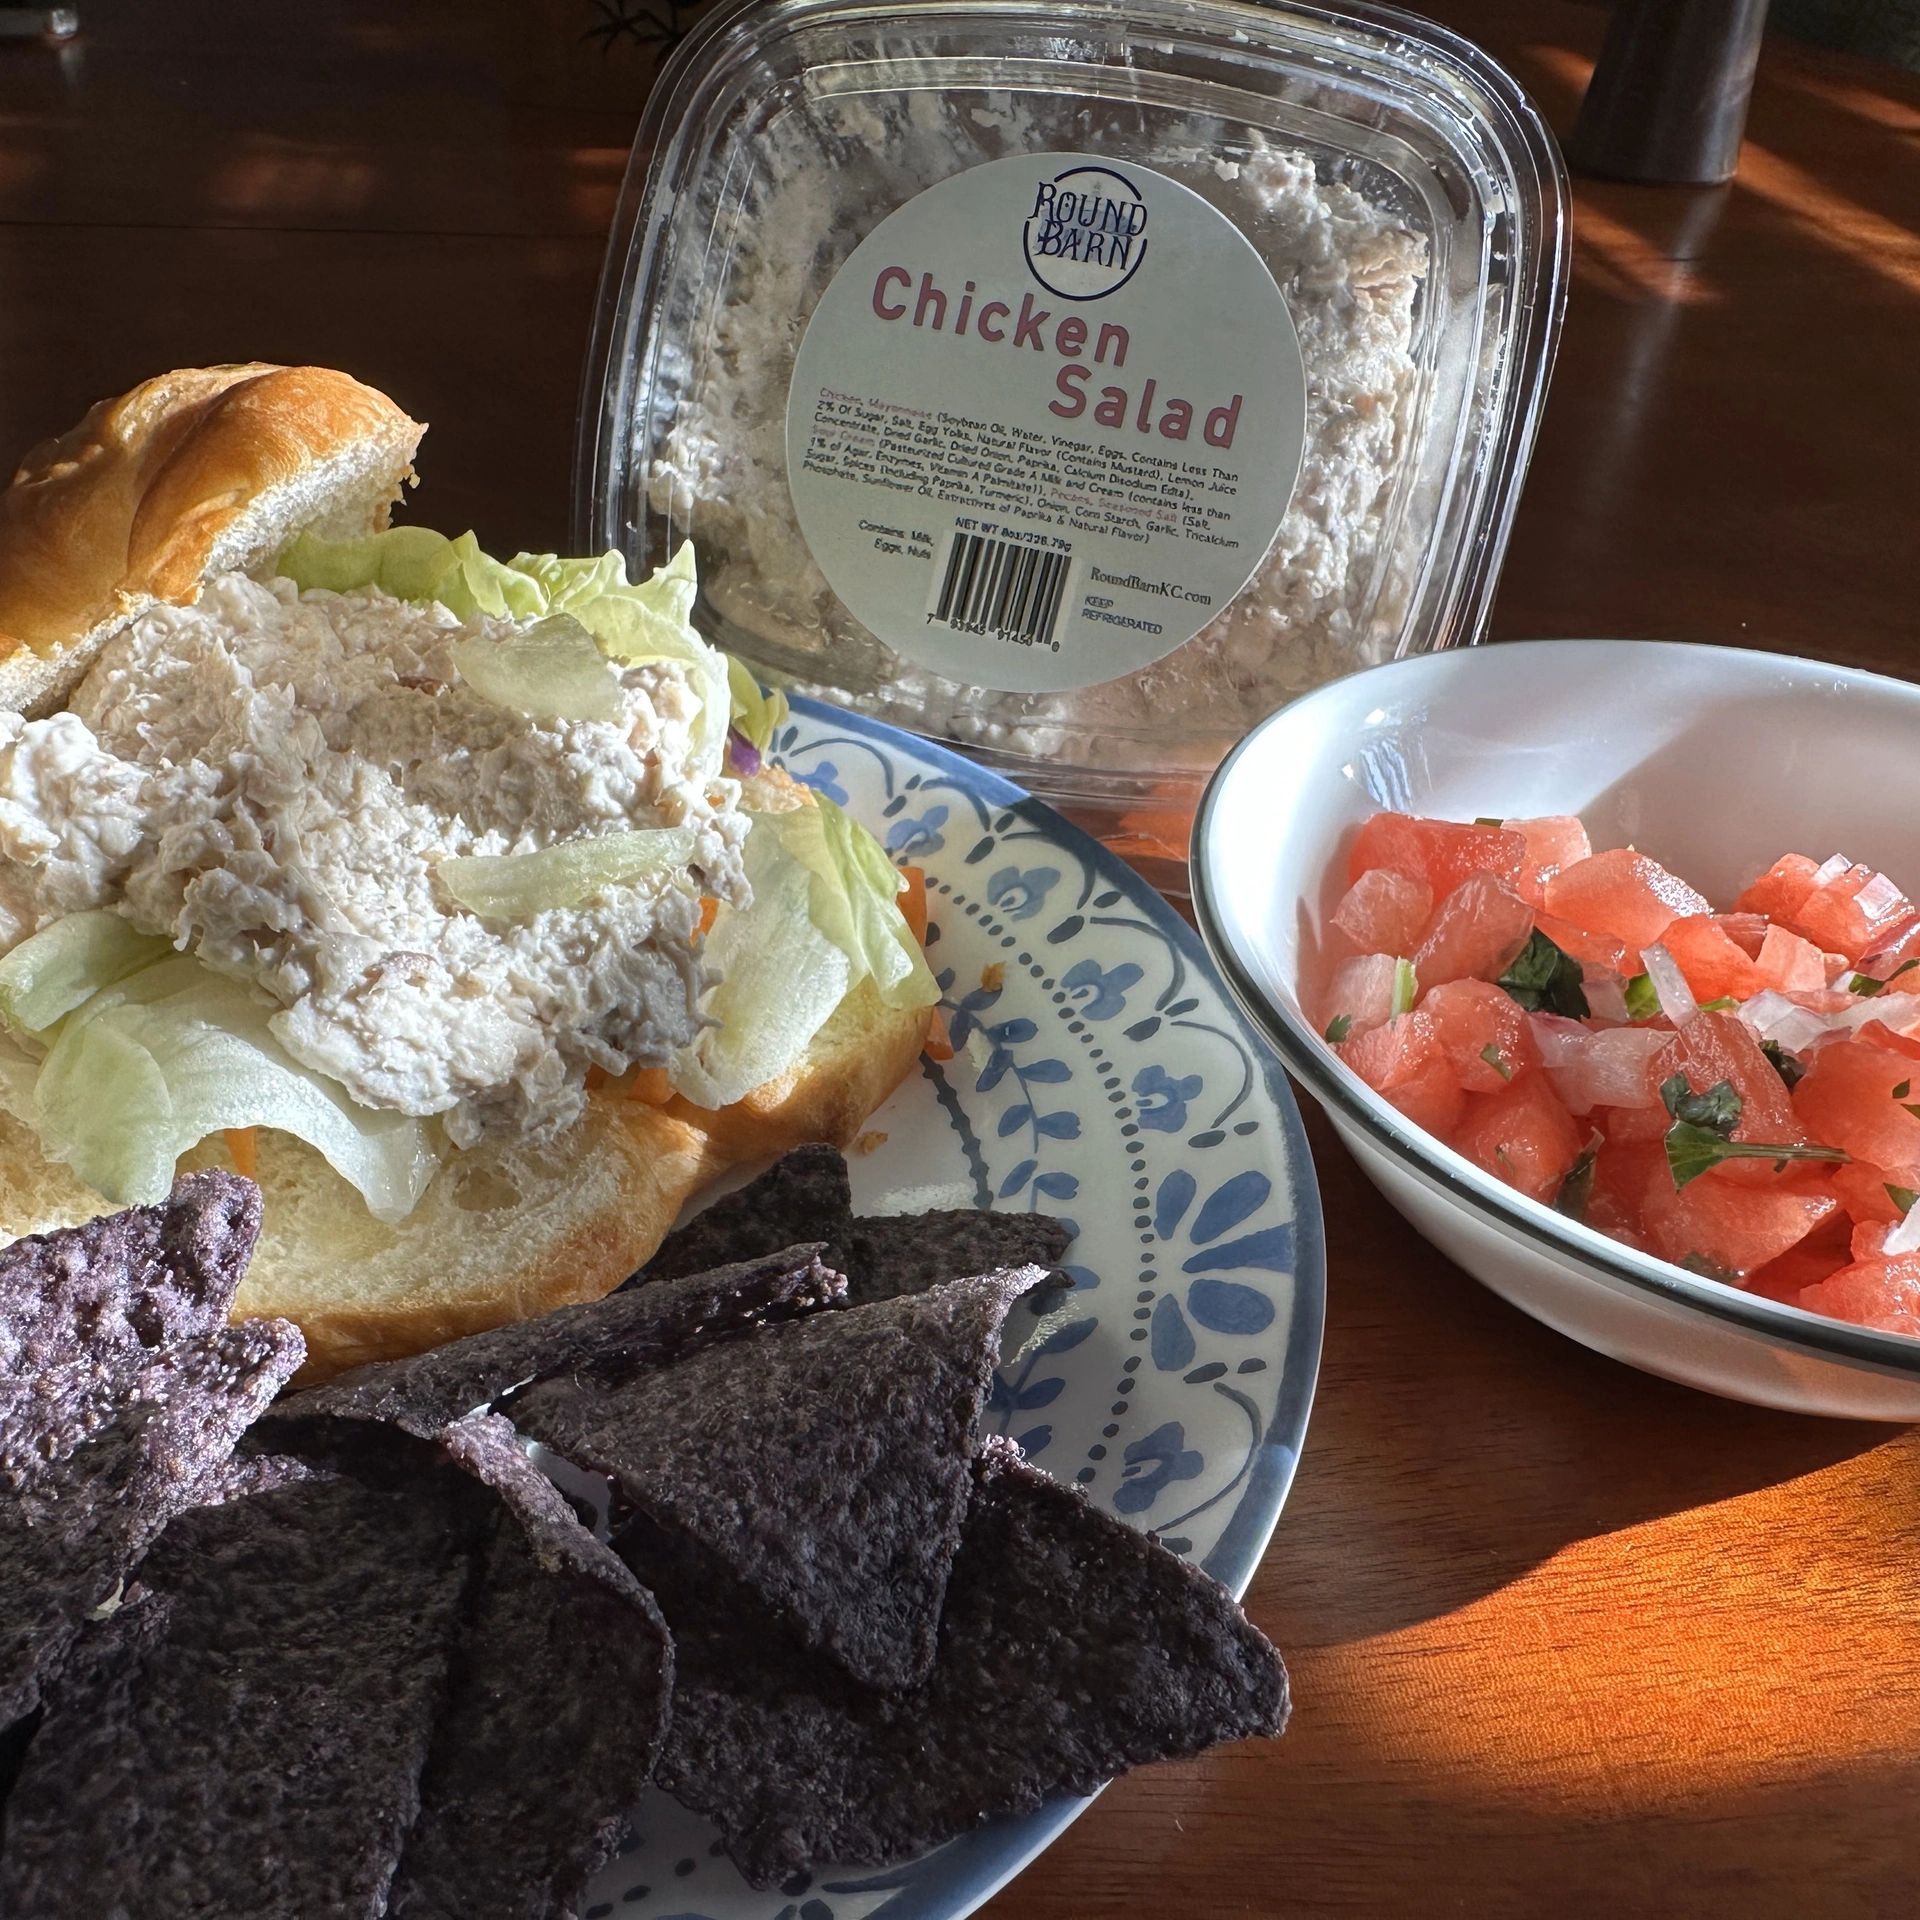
(205,470)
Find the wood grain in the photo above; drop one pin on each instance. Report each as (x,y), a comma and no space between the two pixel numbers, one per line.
(1566,1640)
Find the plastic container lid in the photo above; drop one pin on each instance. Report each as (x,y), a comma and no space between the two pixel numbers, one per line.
(1076,384)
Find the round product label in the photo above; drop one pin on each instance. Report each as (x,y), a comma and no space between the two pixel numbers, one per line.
(1045,422)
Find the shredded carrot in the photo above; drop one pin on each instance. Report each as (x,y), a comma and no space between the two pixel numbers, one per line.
(1159,830)
(650,1085)
(243,1149)
(709,906)
(993,977)
(913,902)
(939,1045)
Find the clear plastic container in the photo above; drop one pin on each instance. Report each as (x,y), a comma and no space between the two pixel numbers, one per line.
(1401,191)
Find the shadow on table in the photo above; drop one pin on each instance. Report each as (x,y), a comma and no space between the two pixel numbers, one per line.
(1455,1443)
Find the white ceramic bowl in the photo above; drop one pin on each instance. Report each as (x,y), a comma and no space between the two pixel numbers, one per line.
(1713,761)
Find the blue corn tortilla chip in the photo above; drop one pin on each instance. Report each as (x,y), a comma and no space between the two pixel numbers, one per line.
(557,1707)
(1071,1648)
(245,1735)
(123,1396)
(806,1196)
(817,1472)
(425,1393)
(888,1255)
(803,1196)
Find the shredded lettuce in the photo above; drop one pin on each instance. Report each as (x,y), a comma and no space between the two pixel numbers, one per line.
(53,971)
(824,916)
(632,622)
(149,1067)
(757,710)
(516,886)
(415,563)
(552,670)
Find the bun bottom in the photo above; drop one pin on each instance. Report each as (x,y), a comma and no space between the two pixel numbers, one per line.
(503,1232)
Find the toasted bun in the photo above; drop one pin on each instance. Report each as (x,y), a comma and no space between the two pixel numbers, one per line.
(214,469)
(202,471)
(503,1232)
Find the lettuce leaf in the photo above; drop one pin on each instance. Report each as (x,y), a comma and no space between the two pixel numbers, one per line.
(757,710)
(415,563)
(53,971)
(148,1068)
(552,670)
(824,916)
(632,622)
(516,886)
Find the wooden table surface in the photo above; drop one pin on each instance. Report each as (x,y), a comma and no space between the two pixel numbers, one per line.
(1565,1639)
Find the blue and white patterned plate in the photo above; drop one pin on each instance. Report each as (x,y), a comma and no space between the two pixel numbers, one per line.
(1101,1073)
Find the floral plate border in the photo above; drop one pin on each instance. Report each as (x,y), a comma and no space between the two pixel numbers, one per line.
(1101,1072)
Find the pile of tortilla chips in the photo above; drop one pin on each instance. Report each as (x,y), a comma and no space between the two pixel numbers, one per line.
(360,1657)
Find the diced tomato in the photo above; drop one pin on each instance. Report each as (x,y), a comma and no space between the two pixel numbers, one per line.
(1877,1033)
(1781,888)
(1483,1032)
(1361,993)
(1633,1125)
(1715,967)
(1521,1135)
(1856,1096)
(1823,1252)
(1850,912)
(1868,1240)
(1622,893)
(1732,1225)
(1552,842)
(1611,1067)
(1599,950)
(1861,1188)
(1789,964)
(1384,911)
(1892,948)
(1874,1293)
(1476,934)
(1746,930)
(1717,1046)
(1440,852)
(1404,1064)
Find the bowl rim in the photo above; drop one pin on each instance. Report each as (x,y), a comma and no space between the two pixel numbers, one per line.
(1338,1088)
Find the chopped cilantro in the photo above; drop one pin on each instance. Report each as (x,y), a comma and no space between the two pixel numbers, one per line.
(1486,820)
(1913,1107)
(1576,1190)
(1642,1002)
(1785,1064)
(1903,1089)
(1546,980)
(1902,1197)
(1406,987)
(1710,1269)
(1693,1150)
(1723,1004)
(1701,1136)
(1491,1054)
(1717,1110)
(1866,985)
(1339,1027)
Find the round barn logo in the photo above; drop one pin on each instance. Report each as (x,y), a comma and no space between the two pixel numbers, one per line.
(1087,233)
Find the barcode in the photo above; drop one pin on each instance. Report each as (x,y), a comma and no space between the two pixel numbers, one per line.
(1000,587)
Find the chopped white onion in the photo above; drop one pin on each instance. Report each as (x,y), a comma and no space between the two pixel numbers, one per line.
(1670,985)
(1832,870)
(1772,1016)
(1879,896)
(1561,1041)
(1905,1238)
(1606,997)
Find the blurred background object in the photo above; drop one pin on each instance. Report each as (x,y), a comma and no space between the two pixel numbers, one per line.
(1668,100)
